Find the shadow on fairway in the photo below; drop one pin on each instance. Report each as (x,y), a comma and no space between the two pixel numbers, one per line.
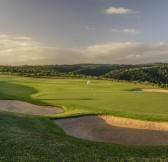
(10,91)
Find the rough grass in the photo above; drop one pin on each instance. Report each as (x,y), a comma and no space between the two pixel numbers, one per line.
(32,138)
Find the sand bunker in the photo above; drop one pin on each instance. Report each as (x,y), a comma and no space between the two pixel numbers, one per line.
(27,108)
(153,90)
(116,130)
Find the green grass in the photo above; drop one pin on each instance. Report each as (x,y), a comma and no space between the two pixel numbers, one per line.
(30,138)
(77,98)
(37,138)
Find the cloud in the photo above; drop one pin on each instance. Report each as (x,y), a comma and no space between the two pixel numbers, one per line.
(128,53)
(15,49)
(119,10)
(126,31)
(88,27)
(22,50)
(131,31)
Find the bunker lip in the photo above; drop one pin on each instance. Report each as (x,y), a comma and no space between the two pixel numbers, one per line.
(28,108)
(117,130)
(152,90)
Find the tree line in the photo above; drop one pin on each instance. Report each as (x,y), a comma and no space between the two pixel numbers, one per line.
(156,73)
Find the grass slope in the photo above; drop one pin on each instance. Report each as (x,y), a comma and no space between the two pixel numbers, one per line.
(32,138)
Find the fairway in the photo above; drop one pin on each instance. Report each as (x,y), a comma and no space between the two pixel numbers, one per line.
(77,98)
(44,140)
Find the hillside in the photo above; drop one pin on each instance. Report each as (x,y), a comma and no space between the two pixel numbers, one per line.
(156,73)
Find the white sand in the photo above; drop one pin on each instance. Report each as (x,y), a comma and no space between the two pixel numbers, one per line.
(27,108)
(154,90)
(116,130)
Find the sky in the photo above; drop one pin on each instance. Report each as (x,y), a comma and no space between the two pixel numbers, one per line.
(40,32)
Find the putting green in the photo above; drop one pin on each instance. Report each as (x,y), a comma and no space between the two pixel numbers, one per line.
(76,97)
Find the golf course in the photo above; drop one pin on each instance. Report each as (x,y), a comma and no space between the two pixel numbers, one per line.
(46,119)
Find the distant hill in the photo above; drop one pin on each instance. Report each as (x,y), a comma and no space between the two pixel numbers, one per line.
(156,73)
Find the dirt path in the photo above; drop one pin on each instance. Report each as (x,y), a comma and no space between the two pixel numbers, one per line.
(116,130)
(153,90)
(27,108)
